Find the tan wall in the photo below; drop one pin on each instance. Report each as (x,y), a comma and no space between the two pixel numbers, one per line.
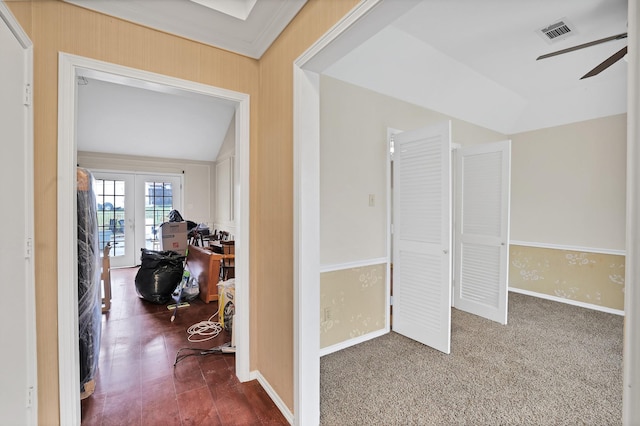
(592,278)
(57,26)
(352,303)
(273,183)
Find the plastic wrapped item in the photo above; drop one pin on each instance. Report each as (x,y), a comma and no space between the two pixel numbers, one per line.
(190,289)
(89,298)
(159,274)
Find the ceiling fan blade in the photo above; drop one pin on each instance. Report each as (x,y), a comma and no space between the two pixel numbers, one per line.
(606,63)
(582,46)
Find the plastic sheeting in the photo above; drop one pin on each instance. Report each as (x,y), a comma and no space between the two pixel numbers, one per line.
(89,298)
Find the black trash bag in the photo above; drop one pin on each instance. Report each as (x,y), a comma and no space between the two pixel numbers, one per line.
(159,274)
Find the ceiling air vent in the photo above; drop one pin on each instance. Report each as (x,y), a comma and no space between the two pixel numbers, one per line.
(557,31)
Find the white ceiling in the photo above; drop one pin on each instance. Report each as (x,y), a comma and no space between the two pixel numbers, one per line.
(148,121)
(473,60)
(476,60)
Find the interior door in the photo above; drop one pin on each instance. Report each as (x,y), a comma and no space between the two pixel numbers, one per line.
(17,320)
(482,230)
(422,235)
(115,198)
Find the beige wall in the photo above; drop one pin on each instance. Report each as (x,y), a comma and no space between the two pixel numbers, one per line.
(568,184)
(353,161)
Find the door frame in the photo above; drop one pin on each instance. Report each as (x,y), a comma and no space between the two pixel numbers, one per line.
(31,390)
(69,67)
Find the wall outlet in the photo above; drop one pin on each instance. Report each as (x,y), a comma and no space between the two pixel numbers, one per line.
(326,314)
(372,200)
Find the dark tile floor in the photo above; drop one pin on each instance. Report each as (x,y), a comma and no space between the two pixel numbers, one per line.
(137,384)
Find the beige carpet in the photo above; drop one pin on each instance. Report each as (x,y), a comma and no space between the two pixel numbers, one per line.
(553,364)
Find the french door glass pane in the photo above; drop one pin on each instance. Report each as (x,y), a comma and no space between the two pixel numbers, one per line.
(110,197)
(158,202)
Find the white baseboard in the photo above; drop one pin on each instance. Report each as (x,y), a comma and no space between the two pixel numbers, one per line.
(568,301)
(288,415)
(352,342)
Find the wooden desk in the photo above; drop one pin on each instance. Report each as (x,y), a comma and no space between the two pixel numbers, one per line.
(204,265)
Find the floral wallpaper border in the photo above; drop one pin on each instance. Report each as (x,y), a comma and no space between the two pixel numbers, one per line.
(352,303)
(594,278)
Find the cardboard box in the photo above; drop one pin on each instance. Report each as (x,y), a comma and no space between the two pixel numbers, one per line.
(226,303)
(173,236)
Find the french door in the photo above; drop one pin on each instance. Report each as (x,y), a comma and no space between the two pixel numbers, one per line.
(131,207)
(115,216)
(156,196)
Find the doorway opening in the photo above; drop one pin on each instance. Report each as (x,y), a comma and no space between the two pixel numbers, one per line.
(70,68)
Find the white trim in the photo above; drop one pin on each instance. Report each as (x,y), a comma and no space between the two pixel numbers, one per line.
(306,249)
(135,173)
(241,200)
(631,351)
(565,247)
(567,301)
(352,342)
(288,415)
(389,229)
(354,264)
(306,60)
(69,67)
(68,358)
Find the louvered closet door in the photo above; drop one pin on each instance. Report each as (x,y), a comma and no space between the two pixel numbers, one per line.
(482,230)
(422,236)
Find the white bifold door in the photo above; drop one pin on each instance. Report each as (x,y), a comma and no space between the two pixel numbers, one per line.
(423,234)
(482,230)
